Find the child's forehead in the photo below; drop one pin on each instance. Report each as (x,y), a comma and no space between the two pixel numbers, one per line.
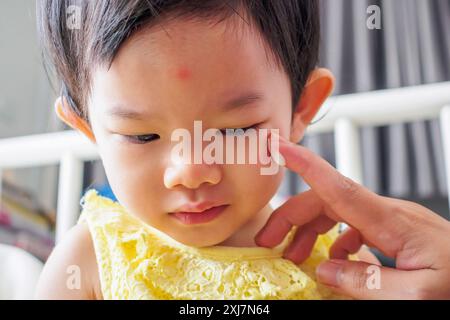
(181,36)
(186,62)
(182,49)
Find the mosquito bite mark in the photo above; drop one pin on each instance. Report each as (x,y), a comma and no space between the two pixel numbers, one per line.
(183,73)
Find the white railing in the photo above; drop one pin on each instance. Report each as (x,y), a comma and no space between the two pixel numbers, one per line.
(68,149)
(345,114)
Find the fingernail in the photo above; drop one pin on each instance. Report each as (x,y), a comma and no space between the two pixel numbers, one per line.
(288,254)
(258,236)
(275,152)
(258,239)
(278,158)
(330,272)
(279,138)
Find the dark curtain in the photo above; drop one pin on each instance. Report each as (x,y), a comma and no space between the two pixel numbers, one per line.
(411,48)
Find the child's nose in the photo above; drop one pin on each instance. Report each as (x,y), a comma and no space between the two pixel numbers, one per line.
(191,175)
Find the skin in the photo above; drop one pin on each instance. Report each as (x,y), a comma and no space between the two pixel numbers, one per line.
(173,81)
(417,237)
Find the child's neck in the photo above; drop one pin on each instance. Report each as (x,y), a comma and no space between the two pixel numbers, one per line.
(244,237)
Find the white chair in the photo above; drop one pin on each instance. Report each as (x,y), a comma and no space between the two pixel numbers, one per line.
(19,273)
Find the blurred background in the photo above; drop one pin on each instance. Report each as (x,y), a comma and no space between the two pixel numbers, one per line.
(402,160)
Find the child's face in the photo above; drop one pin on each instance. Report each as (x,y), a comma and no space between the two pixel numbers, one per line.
(173,75)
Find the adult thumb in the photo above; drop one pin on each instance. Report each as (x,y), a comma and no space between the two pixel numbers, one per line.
(362,280)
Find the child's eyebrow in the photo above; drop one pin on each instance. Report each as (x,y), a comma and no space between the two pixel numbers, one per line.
(121,112)
(243,100)
(246,99)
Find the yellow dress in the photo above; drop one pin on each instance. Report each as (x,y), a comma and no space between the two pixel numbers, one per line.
(137,261)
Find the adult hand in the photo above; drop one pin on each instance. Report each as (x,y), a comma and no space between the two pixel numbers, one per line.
(416,237)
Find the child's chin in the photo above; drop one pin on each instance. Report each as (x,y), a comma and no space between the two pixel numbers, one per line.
(199,243)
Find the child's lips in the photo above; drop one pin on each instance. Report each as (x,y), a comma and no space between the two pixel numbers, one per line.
(197,206)
(195,217)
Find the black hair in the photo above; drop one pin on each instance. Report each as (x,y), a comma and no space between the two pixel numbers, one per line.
(290,29)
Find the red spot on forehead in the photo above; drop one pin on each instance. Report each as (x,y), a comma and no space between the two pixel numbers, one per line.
(183,73)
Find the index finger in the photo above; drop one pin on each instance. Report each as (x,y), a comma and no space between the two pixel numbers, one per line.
(350,201)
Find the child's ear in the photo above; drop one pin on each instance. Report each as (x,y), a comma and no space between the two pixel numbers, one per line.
(318,88)
(68,116)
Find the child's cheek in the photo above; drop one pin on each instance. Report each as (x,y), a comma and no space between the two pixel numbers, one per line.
(251,185)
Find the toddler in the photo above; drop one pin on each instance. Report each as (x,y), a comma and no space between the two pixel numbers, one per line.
(134,72)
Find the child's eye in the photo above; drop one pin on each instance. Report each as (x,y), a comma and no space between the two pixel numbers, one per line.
(141,139)
(232,131)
